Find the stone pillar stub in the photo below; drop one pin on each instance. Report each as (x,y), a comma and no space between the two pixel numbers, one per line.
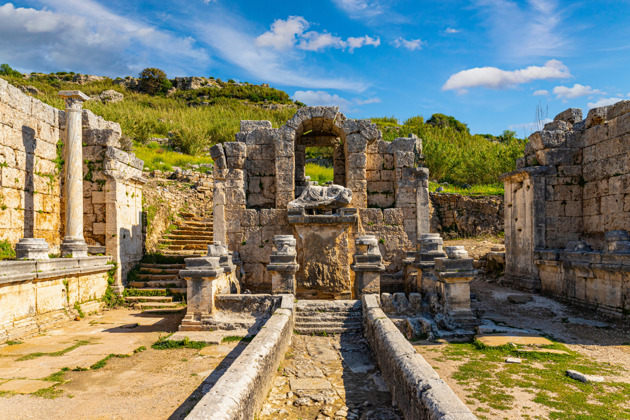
(430,248)
(283,265)
(73,243)
(368,266)
(32,249)
(454,275)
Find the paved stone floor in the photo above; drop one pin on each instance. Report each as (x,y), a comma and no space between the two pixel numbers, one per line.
(59,375)
(329,377)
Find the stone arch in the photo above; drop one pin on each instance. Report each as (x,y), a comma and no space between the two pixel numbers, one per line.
(318,126)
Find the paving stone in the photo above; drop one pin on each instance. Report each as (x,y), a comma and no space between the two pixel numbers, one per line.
(24,386)
(543,351)
(589,322)
(310,384)
(515,360)
(520,299)
(504,339)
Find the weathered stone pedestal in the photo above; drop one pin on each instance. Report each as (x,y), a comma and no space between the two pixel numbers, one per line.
(368,266)
(454,275)
(325,247)
(73,243)
(32,249)
(203,277)
(617,242)
(283,265)
(430,245)
(410,273)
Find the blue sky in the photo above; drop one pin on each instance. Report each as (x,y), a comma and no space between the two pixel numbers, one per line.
(489,63)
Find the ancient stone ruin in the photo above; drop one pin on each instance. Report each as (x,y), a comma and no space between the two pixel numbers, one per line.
(567,210)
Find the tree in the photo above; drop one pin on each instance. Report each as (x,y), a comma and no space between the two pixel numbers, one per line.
(152,80)
(6,70)
(441,120)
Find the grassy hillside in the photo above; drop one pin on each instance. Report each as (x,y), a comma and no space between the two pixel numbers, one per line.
(200,118)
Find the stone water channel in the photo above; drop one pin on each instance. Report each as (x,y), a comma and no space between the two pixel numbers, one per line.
(329,375)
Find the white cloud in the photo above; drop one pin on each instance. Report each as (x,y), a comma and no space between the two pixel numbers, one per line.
(362,41)
(541,92)
(531,28)
(529,128)
(411,44)
(283,33)
(209,1)
(360,8)
(578,90)
(604,102)
(495,78)
(368,101)
(287,34)
(82,35)
(267,64)
(321,98)
(451,31)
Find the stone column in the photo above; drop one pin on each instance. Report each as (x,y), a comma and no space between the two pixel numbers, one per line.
(454,275)
(368,265)
(283,265)
(73,243)
(430,245)
(200,274)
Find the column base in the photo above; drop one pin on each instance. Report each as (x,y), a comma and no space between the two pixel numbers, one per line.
(75,248)
(32,249)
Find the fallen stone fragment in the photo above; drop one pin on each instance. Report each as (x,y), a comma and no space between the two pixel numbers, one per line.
(583,377)
(505,339)
(589,322)
(513,360)
(520,299)
(543,351)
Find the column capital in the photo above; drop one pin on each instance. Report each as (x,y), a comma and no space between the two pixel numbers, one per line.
(74,98)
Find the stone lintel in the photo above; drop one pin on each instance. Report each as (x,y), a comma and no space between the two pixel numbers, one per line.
(205,274)
(379,268)
(523,173)
(73,94)
(285,268)
(456,276)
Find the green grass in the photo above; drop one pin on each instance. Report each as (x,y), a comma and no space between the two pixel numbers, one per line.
(14,342)
(487,379)
(235,338)
(101,363)
(318,173)
(164,343)
(6,250)
(57,376)
(163,158)
(493,189)
(76,345)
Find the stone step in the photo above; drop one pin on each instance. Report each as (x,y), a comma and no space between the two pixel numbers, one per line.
(155,305)
(162,266)
(328,317)
(189,235)
(149,298)
(186,241)
(328,330)
(185,253)
(162,311)
(160,270)
(160,284)
(199,247)
(329,306)
(152,277)
(192,224)
(324,325)
(181,290)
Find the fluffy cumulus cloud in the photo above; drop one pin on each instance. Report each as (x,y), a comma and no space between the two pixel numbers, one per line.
(410,44)
(320,98)
(541,92)
(495,78)
(285,35)
(451,31)
(82,35)
(578,90)
(604,102)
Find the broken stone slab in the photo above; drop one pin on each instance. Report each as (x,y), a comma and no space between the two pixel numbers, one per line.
(543,351)
(513,360)
(571,115)
(582,377)
(25,386)
(498,340)
(589,322)
(324,198)
(520,299)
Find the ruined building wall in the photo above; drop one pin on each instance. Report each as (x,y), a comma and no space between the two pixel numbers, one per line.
(31,179)
(565,206)
(263,170)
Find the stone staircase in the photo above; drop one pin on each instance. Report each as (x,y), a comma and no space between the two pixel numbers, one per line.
(157,279)
(328,317)
(192,236)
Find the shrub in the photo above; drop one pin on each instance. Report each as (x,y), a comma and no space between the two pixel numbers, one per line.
(6,70)
(152,80)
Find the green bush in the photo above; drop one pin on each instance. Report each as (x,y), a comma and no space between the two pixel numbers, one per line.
(6,250)
(6,70)
(152,80)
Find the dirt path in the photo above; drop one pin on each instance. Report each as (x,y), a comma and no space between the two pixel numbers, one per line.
(329,377)
(143,383)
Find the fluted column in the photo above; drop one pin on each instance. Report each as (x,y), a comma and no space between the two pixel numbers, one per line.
(73,243)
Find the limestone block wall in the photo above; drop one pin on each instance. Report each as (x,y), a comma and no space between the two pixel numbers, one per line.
(461,215)
(29,174)
(36,296)
(572,186)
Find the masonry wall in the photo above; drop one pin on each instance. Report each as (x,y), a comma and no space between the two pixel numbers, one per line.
(31,179)
(456,215)
(29,176)
(577,179)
